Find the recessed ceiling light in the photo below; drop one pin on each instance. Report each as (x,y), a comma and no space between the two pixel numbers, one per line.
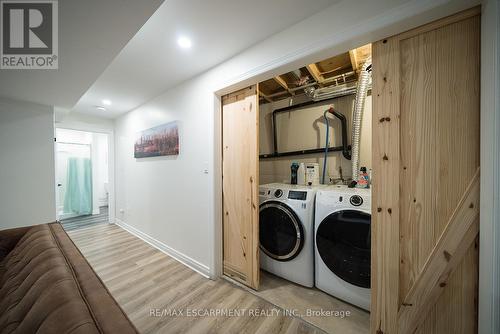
(106,102)
(100,108)
(184,42)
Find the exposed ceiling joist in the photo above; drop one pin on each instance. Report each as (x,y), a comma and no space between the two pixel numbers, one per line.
(354,62)
(361,55)
(315,73)
(283,84)
(337,69)
(341,69)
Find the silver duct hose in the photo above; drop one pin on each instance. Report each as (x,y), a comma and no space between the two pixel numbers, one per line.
(330,92)
(357,117)
(297,74)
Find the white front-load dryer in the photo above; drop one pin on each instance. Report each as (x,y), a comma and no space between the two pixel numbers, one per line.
(286,231)
(343,243)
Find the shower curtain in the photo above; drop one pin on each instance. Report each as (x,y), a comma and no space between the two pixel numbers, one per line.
(78,196)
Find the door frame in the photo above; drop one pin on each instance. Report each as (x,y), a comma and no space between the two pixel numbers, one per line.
(377,29)
(111,160)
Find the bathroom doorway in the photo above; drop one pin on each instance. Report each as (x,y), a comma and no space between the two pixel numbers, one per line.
(82,177)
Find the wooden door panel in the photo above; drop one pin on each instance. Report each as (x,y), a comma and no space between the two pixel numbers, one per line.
(418,158)
(240,186)
(426,175)
(460,232)
(385,187)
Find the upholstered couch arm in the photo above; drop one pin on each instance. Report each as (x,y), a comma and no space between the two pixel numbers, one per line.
(9,239)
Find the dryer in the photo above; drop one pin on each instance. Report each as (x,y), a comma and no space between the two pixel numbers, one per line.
(343,243)
(286,231)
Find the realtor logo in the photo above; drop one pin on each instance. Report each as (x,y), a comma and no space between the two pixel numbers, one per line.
(29,34)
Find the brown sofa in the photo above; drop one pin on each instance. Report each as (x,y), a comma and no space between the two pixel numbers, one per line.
(47,286)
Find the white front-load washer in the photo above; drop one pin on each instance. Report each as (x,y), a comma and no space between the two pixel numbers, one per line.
(286,231)
(343,243)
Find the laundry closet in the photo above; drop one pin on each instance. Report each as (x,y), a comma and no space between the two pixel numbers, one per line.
(343,179)
(314,210)
(305,131)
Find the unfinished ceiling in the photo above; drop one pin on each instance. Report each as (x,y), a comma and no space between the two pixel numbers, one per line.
(334,71)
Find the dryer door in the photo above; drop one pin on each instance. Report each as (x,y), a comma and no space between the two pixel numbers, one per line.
(343,242)
(281,232)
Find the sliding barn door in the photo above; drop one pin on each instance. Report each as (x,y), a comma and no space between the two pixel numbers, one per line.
(426,178)
(240,185)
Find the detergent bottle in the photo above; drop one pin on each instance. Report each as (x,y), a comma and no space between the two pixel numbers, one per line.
(363,179)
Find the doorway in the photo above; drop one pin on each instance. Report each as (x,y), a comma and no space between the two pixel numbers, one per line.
(307,117)
(82,177)
(302,117)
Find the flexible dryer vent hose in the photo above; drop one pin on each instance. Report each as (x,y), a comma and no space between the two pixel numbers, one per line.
(357,117)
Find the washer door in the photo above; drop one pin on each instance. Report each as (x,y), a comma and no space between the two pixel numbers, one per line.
(280,231)
(343,242)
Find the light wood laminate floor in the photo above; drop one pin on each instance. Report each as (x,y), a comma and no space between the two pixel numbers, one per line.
(348,319)
(143,279)
(79,222)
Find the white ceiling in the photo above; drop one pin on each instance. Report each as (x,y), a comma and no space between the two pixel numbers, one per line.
(152,62)
(91,34)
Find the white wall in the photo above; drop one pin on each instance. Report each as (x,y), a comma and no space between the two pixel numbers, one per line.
(167,197)
(27,185)
(172,200)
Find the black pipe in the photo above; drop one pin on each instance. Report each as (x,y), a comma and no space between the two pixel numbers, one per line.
(301,152)
(344,148)
(343,122)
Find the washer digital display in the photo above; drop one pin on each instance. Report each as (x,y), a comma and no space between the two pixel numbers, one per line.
(300,195)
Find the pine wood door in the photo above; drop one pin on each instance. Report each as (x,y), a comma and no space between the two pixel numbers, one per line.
(240,185)
(426,178)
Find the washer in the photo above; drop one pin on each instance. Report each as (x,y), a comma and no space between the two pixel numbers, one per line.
(286,231)
(343,243)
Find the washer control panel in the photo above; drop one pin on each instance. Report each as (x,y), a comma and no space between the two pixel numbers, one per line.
(298,195)
(287,192)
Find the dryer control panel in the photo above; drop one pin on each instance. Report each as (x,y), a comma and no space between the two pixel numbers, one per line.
(341,197)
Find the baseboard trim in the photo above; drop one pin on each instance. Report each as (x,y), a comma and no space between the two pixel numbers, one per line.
(182,258)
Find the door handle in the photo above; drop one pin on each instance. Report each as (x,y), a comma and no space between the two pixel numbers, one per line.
(59,184)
